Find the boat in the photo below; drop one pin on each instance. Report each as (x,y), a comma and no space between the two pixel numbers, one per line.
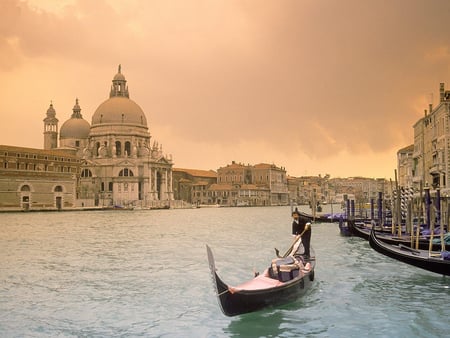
(118,207)
(363,231)
(434,261)
(282,282)
(344,228)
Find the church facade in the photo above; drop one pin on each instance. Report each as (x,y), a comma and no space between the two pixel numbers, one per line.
(113,161)
(119,164)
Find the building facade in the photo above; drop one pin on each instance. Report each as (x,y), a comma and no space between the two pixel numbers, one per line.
(431,153)
(119,164)
(106,163)
(36,179)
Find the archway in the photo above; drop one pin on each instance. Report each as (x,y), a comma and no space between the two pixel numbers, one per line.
(25,197)
(58,190)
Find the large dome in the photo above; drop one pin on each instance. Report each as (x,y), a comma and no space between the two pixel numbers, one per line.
(120,110)
(77,128)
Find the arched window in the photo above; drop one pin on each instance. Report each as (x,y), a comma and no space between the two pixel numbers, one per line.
(58,188)
(86,173)
(126,172)
(128,148)
(25,188)
(118,148)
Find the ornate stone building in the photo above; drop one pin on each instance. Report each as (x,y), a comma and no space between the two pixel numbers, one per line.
(119,164)
(432,145)
(105,163)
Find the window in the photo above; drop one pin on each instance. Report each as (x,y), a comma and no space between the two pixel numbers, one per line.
(86,173)
(127,148)
(58,188)
(126,172)
(118,148)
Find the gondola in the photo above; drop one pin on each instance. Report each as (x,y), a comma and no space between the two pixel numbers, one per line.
(387,237)
(344,228)
(428,260)
(278,284)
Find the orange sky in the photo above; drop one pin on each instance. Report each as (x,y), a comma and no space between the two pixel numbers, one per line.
(316,86)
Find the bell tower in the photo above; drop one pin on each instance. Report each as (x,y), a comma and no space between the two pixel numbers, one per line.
(50,129)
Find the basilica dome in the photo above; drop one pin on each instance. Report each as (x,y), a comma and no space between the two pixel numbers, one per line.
(76,127)
(121,110)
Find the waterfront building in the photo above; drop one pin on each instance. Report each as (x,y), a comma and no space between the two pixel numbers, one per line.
(191,185)
(108,162)
(250,185)
(431,146)
(37,178)
(120,166)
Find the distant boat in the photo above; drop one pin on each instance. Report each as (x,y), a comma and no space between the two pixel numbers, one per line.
(118,207)
(344,228)
(434,261)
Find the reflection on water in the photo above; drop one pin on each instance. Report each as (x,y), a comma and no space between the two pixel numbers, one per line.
(145,273)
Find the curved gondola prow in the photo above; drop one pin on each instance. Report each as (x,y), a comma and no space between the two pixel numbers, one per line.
(219,286)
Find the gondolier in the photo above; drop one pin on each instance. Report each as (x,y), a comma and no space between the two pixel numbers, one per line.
(298,227)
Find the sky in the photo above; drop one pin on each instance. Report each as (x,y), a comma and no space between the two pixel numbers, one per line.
(315,86)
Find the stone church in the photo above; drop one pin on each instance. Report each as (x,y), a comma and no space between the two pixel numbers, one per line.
(119,164)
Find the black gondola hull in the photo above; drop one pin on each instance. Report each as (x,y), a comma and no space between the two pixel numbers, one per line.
(418,258)
(245,301)
(387,237)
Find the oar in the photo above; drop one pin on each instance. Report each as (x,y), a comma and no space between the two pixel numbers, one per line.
(295,241)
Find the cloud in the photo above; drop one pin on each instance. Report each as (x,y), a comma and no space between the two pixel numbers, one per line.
(325,78)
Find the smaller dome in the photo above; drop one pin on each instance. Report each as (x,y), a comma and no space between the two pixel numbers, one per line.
(77,128)
(119,77)
(51,111)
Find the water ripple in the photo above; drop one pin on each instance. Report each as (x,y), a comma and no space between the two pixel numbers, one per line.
(131,274)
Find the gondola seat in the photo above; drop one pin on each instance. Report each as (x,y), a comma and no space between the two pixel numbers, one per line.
(285,269)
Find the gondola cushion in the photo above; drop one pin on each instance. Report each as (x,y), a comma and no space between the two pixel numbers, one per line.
(288,272)
(285,269)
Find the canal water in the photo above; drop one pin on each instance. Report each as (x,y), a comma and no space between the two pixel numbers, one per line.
(145,274)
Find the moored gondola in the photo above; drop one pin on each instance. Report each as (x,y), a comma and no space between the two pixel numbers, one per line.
(433,261)
(284,281)
(360,230)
